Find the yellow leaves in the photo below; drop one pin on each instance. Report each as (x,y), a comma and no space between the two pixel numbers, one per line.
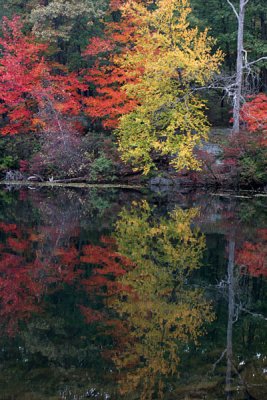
(186,159)
(38,123)
(161,312)
(173,58)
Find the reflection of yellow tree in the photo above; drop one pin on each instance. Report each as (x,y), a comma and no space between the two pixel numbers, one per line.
(161,314)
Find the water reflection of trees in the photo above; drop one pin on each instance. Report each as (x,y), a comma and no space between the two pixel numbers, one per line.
(130,288)
(246,253)
(42,241)
(119,306)
(161,313)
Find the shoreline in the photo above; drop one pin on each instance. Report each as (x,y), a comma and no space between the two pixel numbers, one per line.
(242,193)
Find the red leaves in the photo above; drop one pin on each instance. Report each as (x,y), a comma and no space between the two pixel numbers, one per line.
(98,45)
(110,262)
(28,83)
(23,165)
(17,245)
(91,315)
(8,227)
(34,263)
(252,257)
(254,114)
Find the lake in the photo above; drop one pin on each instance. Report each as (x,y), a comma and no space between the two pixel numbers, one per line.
(124,294)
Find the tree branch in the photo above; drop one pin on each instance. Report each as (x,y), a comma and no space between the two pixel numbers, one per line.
(219,360)
(234,9)
(253,314)
(254,62)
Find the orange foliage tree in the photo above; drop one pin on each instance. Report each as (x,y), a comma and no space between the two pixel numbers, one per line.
(107,76)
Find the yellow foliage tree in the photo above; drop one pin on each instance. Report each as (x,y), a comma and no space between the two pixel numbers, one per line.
(158,311)
(174,59)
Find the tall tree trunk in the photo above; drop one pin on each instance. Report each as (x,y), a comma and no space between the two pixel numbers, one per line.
(240,16)
(239,67)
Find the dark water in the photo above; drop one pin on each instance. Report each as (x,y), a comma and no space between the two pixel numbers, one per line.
(123,295)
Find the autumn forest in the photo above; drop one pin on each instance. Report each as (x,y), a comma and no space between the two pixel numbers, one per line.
(133,186)
(100,91)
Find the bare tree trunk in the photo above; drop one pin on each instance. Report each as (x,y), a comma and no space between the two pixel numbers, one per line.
(231,312)
(239,62)
(239,68)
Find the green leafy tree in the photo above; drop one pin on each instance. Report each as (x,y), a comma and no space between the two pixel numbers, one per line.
(58,18)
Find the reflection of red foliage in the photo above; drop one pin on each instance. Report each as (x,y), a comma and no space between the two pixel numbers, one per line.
(107,240)
(17,245)
(110,265)
(252,258)
(91,315)
(23,282)
(35,263)
(19,293)
(262,233)
(8,227)
(111,262)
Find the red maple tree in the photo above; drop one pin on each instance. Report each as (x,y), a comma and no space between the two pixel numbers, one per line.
(254,114)
(33,92)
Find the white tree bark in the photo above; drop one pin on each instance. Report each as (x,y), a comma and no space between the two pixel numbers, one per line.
(240,15)
(239,68)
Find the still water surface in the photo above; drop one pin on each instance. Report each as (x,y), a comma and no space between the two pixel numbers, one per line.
(123,295)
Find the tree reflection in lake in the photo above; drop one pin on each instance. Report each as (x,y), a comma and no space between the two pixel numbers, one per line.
(245,375)
(105,297)
(162,314)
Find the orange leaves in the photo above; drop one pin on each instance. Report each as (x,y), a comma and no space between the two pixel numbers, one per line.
(109,106)
(110,102)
